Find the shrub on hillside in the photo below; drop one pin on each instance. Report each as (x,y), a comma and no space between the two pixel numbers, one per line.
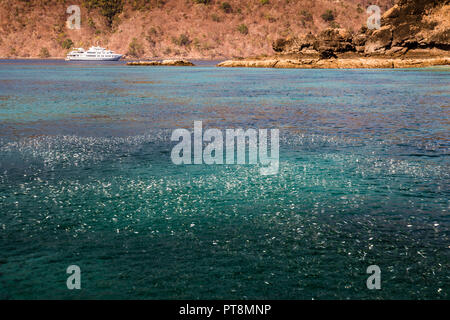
(67,44)
(270,18)
(328,16)
(12,52)
(334,25)
(182,41)
(151,36)
(108,8)
(91,23)
(359,9)
(242,28)
(226,7)
(215,18)
(306,16)
(141,5)
(44,53)
(135,49)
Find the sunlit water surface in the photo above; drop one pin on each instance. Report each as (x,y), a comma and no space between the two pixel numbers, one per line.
(86,178)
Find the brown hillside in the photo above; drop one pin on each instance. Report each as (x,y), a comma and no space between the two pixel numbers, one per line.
(170,28)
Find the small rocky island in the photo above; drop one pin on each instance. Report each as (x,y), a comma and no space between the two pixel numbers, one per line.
(413,33)
(174,63)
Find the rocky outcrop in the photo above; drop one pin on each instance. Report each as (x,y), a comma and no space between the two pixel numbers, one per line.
(410,24)
(334,40)
(326,43)
(175,63)
(379,40)
(327,54)
(281,45)
(350,63)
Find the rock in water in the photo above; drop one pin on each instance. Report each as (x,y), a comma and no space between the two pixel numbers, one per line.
(175,63)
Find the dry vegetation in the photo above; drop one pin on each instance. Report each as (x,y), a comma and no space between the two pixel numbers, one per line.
(195,29)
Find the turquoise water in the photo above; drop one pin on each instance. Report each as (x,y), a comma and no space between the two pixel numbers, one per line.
(86,178)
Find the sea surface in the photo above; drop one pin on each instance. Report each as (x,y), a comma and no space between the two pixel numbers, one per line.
(86,179)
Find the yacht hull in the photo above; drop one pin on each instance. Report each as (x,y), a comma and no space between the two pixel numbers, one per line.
(114,58)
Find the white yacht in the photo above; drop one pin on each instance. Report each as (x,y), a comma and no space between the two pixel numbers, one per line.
(93,54)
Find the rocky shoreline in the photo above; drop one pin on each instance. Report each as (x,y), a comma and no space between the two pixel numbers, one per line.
(337,63)
(174,63)
(412,34)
